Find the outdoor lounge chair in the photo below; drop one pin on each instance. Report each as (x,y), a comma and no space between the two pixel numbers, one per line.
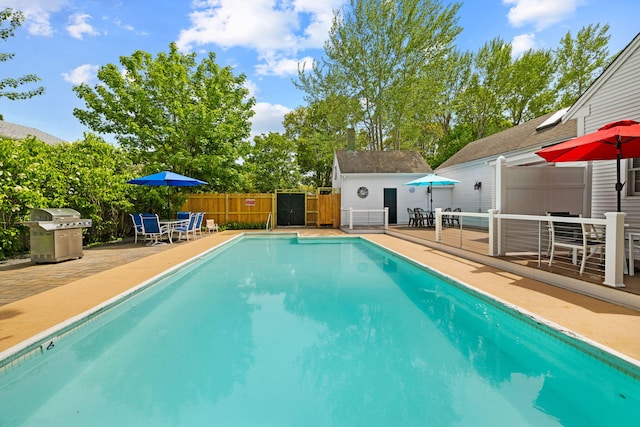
(183,215)
(188,227)
(197,228)
(211,225)
(153,230)
(137,226)
(576,237)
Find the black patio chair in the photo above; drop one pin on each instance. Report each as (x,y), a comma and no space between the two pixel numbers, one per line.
(455,218)
(447,219)
(412,217)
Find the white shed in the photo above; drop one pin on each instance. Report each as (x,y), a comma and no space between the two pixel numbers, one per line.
(375,180)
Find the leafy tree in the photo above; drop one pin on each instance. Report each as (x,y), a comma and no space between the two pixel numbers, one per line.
(528,87)
(450,144)
(433,103)
(375,53)
(272,162)
(172,113)
(318,130)
(10,20)
(482,102)
(580,61)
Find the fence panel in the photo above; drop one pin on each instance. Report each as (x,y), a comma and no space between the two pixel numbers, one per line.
(321,209)
(236,207)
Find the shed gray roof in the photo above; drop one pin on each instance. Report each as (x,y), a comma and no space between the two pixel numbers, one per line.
(382,162)
(517,137)
(15,131)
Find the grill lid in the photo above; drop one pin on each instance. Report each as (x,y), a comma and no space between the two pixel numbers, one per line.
(53,214)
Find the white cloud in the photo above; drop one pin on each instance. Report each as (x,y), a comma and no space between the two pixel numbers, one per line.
(540,13)
(118,23)
(275,29)
(37,13)
(281,66)
(522,43)
(252,86)
(268,118)
(78,26)
(82,74)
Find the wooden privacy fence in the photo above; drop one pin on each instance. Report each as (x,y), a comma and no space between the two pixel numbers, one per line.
(320,209)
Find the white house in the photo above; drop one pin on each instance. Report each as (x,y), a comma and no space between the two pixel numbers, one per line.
(496,172)
(375,180)
(613,96)
(16,131)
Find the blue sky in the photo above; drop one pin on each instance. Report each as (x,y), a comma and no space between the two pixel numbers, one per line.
(65,41)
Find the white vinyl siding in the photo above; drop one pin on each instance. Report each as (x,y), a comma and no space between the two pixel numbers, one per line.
(614,96)
(633,188)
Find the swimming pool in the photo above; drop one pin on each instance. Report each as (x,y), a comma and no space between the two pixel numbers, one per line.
(332,331)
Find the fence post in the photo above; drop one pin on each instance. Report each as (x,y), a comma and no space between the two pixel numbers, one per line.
(492,231)
(614,244)
(438,221)
(350,218)
(386,218)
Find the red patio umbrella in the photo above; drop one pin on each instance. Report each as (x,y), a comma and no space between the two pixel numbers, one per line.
(613,141)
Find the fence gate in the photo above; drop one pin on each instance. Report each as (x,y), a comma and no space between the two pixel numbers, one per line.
(290,209)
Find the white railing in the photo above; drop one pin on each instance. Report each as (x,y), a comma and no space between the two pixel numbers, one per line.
(365,217)
(512,235)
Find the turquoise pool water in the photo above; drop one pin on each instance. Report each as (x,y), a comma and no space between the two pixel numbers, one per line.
(288,332)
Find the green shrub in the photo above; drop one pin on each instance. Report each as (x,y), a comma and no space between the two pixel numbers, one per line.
(241,226)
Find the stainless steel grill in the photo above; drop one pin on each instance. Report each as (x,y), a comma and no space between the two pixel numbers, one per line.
(56,234)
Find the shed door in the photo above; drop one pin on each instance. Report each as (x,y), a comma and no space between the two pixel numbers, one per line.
(391,202)
(290,209)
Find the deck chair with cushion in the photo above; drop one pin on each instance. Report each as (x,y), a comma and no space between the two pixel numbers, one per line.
(577,237)
(183,215)
(187,228)
(197,228)
(137,226)
(153,230)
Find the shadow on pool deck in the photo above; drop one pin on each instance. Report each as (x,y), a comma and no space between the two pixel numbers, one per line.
(34,298)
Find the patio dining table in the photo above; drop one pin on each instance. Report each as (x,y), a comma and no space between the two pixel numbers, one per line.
(172,224)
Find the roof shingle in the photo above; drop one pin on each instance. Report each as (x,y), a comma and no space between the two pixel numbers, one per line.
(517,137)
(382,162)
(15,131)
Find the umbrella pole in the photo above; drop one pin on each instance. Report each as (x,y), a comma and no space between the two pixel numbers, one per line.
(619,184)
(430,197)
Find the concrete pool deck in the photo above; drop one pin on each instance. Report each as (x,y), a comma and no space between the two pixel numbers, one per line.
(613,326)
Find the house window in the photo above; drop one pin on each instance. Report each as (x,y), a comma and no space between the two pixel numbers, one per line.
(335,173)
(634,177)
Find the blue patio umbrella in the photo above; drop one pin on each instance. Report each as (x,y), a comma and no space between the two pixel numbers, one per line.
(167,179)
(431,180)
